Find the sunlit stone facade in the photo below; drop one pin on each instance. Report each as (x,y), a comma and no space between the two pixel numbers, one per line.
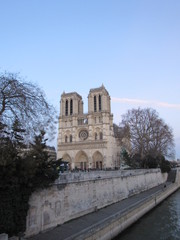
(87,140)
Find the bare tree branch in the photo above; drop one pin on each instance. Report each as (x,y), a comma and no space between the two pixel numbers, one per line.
(148,133)
(27,103)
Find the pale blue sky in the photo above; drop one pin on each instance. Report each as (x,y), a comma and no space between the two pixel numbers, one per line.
(131,46)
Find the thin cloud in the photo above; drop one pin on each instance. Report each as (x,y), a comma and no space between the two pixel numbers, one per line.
(145,102)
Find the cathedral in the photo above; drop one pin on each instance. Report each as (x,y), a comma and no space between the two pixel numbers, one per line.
(87,140)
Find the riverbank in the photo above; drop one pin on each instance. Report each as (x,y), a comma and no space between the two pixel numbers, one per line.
(74,195)
(108,222)
(162,222)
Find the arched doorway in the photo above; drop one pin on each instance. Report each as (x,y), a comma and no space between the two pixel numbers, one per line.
(81,160)
(68,159)
(97,160)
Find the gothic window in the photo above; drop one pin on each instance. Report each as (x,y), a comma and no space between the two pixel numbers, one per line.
(101,135)
(95,136)
(66,109)
(78,106)
(100,103)
(66,139)
(71,107)
(70,138)
(95,105)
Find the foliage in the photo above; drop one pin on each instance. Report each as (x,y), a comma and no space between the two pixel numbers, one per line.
(25,102)
(136,161)
(150,162)
(22,170)
(165,165)
(46,170)
(125,157)
(148,134)
(20,175)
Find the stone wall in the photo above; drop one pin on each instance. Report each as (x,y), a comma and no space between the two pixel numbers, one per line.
(76,194)
(118,222)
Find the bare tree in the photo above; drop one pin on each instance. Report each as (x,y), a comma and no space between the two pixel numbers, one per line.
(26,102)
(148,133)
(122,135)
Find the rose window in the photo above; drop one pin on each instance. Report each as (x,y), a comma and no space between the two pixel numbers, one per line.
(83,135)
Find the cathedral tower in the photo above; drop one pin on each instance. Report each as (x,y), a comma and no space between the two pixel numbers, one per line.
(87,141)
(71,104)
(99,100)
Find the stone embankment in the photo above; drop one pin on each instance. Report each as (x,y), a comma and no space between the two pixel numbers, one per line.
(113,200)
(77,194)
(108,222)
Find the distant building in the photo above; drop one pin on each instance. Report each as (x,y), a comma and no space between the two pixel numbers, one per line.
(51,151)
(88,140)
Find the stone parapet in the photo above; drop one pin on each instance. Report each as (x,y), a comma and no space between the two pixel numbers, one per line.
(69,177)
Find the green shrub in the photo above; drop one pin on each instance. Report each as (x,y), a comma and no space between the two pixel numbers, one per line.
(20,176)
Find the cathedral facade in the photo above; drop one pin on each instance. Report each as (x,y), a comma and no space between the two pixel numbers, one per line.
(87,141)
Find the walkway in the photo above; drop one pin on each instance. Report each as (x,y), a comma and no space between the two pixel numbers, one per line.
(73,228)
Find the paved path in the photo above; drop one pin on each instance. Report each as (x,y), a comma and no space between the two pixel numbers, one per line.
(83,223)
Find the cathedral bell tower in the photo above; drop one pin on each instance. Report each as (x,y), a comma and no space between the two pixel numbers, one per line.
(99,100)
(71,104)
